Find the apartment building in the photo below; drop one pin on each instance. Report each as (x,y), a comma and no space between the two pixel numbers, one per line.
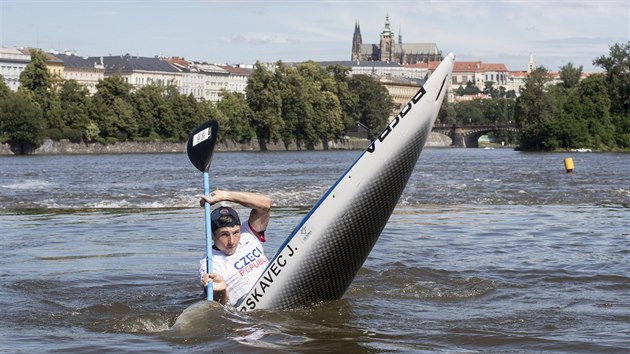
(141,71)
(12,63)
(85,71)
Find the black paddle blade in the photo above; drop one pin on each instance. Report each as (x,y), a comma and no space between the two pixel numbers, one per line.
(201,145)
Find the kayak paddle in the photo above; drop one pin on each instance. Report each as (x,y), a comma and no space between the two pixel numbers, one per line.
(200,148)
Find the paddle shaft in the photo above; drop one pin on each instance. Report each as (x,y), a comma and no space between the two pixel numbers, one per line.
(206,191)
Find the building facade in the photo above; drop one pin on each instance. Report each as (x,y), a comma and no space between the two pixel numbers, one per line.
(401,90)
(192,79)
(390,50)
(401,82)
(475,72)
(12,63)
(237,80)
(85,71)
(54,65)
(141,71)
(215,79)
(479,74)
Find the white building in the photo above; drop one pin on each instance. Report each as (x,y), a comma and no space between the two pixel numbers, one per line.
(383,70)
(516,81)
(205,81)
(401,81)
(12,63)
(215,79)
(237,79)
(85,71)
(141,71)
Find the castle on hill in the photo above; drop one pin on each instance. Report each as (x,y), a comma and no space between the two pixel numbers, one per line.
(391,51)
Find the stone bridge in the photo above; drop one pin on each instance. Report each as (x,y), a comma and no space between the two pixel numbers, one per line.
(468,135)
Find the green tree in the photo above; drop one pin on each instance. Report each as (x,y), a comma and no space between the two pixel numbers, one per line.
(35,78)
(4,89)
(21,122)
(490,90)
(295,110)
(469,113)
(235,117)
(150,108)
(617,66)
(265,101)
(447,114)
(534,110)
(74,106)
(209,110)
(348,100)
(492,111)
(112,111)
(324,107)
(374,102)
(470,89)
(594,103)
(37,82)
(51,108)
(186,115)
(570,75)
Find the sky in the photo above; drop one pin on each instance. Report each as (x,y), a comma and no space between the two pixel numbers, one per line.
(554,32)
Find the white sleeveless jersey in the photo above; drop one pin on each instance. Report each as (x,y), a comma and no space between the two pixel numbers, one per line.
(240,270)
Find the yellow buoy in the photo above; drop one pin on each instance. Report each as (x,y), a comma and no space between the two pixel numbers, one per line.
(568,164)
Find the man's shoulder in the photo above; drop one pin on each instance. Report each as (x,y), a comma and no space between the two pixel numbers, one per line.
(246,228)
(248,236)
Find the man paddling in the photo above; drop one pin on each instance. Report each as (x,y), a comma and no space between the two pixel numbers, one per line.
(238,259)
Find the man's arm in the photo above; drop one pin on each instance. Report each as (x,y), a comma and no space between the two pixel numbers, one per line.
(259,203)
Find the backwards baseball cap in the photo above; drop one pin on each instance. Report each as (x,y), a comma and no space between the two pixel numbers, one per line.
(224,217)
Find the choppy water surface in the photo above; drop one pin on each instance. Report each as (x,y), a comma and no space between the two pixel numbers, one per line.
(488,251)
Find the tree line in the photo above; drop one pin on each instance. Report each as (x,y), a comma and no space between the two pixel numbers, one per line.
(307,104)
(593,112)
(303,104)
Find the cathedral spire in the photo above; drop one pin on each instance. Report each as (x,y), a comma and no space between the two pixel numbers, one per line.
(387,31)
(387,43)
(357,41)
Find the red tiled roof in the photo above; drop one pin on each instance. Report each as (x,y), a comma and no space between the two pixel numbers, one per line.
(177,60)
(459,66)
(477,66)
(236,70)
(518,73)
(494,67)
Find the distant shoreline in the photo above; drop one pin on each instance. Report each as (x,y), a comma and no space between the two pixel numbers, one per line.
(64,147)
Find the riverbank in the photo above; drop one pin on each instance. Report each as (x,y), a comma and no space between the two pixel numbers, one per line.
(65,147)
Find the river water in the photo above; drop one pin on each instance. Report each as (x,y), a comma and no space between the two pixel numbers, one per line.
(487,250)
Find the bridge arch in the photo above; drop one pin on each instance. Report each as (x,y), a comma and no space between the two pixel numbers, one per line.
(468,136)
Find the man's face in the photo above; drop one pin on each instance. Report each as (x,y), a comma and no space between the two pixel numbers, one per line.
(226,239)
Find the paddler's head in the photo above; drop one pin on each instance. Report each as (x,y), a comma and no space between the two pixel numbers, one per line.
(226,229)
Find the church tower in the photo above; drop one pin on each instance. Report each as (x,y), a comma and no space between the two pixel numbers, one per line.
(356,43)
(387,43)
(530,64)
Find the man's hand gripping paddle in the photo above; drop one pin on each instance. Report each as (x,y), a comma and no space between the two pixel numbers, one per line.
(200,148)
